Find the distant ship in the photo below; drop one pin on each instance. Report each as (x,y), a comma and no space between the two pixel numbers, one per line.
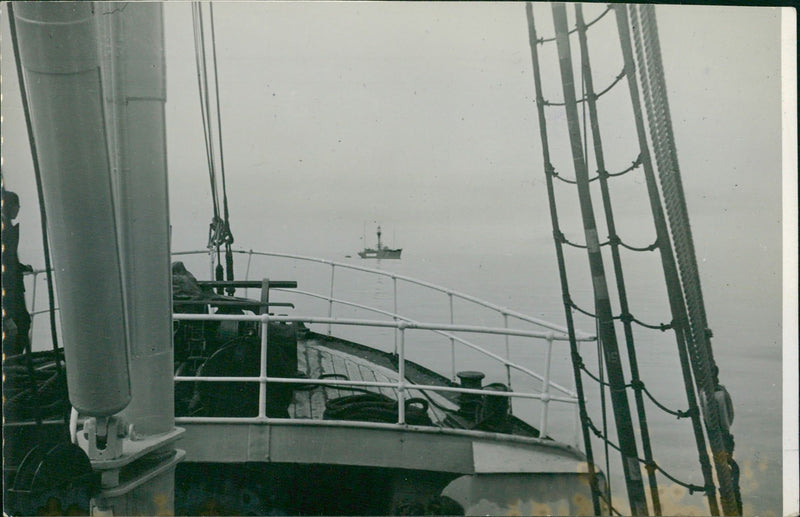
(381,252)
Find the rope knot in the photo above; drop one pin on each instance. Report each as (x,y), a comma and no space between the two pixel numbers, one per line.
(637,384)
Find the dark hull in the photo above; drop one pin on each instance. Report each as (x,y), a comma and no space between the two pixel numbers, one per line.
(384,253)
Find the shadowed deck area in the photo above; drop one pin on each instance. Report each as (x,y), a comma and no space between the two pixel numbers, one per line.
(321,357)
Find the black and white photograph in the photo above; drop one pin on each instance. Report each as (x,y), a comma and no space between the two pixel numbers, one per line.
(399,258)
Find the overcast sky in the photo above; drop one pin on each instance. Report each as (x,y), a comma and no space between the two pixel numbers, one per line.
(420,116)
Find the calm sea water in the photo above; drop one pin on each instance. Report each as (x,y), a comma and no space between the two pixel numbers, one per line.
(748,355)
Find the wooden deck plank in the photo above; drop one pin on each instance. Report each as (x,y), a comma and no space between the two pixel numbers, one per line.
(326,362)
(380,377)
(340,368)
(314,364)
(368,374)
(301,401)
(317,395)
(315,359)
(302,360)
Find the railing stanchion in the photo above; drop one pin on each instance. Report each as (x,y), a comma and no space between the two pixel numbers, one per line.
(247,271)
(508,366)
(508,351)
(401,374)
(33,303)
(262,383)
(546,387)
(394,289)
(452,343)
(330,299)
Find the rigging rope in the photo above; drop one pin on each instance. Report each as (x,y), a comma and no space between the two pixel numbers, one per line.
(650,465)
(574,30)
(563,239)
(593,479)
(600,173)
(227,236)
(202,85)
(620,403)
(674,293)
(38,409)
(657,105)
(604,410)
(614,240)
(219,232)
(628,317)
(591,96)
(611,507)
(676,413)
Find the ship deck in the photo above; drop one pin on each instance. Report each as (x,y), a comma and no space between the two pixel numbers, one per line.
(322,357)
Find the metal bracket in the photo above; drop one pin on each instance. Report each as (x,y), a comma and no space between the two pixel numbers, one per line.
(104,438)
(129,447)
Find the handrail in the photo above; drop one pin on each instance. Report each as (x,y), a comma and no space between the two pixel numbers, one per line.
(376,384)
(368,323)
(35,273)
(400,324)
(452,337)
(401,386)
(502,310)
(555,332)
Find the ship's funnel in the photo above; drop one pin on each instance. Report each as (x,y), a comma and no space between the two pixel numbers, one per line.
(61,70)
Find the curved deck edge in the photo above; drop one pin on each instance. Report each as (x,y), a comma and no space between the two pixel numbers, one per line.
(376,445)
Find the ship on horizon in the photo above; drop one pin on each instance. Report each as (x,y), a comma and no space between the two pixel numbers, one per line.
(381,251)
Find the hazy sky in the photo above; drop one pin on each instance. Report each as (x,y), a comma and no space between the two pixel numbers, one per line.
(420,116)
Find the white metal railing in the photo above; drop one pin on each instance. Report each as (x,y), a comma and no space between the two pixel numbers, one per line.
(560,332)
(446,330)
(399,324)
(34,310)
(555,332)
(401,387)
(580,336)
